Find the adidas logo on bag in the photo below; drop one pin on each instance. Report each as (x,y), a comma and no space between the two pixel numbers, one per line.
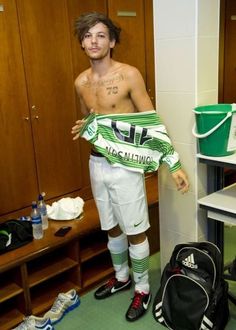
(189,262)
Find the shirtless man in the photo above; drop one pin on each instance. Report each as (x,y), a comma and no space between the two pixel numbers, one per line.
(111,87)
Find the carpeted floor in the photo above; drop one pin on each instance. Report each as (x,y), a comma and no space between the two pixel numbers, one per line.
(109,314)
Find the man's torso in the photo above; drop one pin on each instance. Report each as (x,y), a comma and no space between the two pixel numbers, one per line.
(109,93)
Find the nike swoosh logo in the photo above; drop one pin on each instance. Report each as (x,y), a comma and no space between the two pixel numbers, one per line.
(113,290)
(145,305)
(141,276)
(137,224)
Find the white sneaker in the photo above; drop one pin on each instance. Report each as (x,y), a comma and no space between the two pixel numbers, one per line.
(64,303)
(35,323)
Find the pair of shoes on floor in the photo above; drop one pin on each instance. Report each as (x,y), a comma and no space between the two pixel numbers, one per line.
(35,323)
(140,301)
(64,303)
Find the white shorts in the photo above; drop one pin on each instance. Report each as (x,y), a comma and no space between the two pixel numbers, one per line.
(120,196)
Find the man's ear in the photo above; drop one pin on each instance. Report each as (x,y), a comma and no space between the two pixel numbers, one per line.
(112,43)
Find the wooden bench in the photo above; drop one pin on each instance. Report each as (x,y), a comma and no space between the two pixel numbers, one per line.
(33,275)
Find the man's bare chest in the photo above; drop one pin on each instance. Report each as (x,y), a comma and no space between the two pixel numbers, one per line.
(111,87)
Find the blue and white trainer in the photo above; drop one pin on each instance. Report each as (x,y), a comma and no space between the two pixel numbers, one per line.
(35,323)
(64,303)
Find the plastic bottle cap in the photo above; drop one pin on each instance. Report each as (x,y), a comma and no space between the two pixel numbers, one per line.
(34,204)
(40,198)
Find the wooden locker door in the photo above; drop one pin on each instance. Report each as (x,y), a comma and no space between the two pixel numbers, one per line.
(81,63)
(17,164)
(229,84)
(129,15)
(45,34)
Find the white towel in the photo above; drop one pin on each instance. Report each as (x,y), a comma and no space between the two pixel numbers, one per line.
(66,209)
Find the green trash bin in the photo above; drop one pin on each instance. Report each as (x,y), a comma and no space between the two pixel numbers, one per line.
(216,129)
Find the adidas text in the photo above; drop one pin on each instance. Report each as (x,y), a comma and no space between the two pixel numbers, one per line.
(189,262)
(189,265)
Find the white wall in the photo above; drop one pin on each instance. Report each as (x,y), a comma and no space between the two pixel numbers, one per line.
(186,34)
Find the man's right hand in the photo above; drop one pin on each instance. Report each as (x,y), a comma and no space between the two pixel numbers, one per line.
(76,129)
(79,123)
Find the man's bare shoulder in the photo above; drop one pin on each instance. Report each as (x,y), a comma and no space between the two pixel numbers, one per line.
(129,74)
(82,79)
(127,69)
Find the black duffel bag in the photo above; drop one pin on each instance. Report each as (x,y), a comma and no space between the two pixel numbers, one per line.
(14,234)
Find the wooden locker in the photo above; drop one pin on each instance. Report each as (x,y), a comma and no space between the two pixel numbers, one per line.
(129,15)
(17,163)
(45,35)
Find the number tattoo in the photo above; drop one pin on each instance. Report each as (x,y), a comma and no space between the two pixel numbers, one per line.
(112,90)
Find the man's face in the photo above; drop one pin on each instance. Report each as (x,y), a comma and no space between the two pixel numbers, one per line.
(96,42)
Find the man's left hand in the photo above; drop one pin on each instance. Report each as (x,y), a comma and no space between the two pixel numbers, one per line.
(181,180)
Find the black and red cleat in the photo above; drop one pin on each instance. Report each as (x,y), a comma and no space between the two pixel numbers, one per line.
(139,306)
(111,287)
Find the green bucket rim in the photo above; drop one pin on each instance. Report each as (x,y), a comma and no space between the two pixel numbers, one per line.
(232,108)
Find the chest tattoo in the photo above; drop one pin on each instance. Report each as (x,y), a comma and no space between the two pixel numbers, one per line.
(112,90)
(105,83)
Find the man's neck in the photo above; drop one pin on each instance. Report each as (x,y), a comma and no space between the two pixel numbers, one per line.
(101,67)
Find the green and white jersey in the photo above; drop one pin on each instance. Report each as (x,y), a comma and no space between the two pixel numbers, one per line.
(136,141)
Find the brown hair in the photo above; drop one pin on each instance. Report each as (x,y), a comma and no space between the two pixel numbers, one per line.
(84,22)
